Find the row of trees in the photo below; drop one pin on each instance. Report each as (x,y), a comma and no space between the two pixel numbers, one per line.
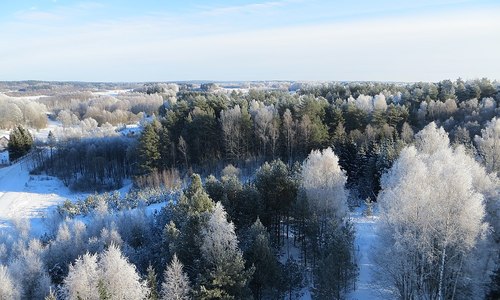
(93,164)
(15,112)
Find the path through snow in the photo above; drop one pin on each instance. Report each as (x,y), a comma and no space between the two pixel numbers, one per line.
(364,242)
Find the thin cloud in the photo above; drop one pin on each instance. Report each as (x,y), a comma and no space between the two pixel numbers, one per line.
(58,13)
(37,16)
(247,8)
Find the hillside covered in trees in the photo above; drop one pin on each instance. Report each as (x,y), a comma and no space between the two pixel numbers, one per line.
(247,191)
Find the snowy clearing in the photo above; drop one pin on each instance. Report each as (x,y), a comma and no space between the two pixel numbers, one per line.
(112,93)
(24,196)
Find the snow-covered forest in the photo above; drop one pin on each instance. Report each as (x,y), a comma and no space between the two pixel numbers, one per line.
(259,190)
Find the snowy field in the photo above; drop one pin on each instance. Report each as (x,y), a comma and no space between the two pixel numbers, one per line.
(24,196)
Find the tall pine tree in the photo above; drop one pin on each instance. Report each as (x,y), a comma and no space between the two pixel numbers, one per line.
(149,148)
(20,142)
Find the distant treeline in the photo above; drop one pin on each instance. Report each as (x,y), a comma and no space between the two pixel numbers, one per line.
(366,124)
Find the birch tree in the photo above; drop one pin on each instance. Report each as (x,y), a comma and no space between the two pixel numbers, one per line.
(323,181)
(231,128)
(8,290)
(432,215)
(289,128)
(489,145)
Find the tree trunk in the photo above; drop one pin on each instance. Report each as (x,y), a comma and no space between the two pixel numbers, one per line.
(441,274)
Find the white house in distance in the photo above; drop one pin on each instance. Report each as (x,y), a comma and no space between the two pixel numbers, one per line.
(4,153)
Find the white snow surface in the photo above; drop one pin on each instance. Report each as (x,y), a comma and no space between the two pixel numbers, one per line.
(366,236)
(112,93)
(25,196)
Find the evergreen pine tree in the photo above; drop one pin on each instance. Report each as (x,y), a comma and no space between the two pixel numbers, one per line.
(335,270)
(165,149)
(260,255)
(20,142)
(494,292)
(224,275)
(152,284)
(148,150)
(195,200)
(176,283)
(190,216)
(51,295)
(291,278)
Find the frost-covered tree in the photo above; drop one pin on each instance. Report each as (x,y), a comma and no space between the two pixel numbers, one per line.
(120,278)
(175,284)
(65,248)
(231,122)
(8,289)
(407,133)
(108,275)
(265,127)
(28,272)
(329,233)
(83,278)
(224,275)
(489,145)
(289,132)
(51,295)
(432,215)
(10,114)
(323,181)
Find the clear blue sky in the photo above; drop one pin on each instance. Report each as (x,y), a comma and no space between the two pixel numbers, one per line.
(166,40)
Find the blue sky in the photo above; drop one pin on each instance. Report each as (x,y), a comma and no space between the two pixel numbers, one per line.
(168,40)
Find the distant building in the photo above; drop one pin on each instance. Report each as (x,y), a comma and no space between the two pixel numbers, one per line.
(130,130)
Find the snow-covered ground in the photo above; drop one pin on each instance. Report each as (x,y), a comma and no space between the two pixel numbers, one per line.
(111,92)
(365,227)
(42,134)
(24,196)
